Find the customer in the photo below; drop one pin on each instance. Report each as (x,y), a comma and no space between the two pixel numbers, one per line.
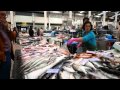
(6,50)
(38,32)
(41,31)
(118,34)
(15,32)
(88,38)
(31,32)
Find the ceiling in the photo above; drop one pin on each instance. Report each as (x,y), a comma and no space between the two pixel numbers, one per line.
(110,15)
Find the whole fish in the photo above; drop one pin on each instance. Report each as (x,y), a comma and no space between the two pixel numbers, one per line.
(80,68)
(69,69)
(111,71)
(97,64)
(111,76)
(98,75)
(89,64)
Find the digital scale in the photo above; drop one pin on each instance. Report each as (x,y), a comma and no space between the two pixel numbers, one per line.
(117,46)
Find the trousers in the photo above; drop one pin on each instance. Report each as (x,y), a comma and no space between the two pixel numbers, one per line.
(5,67)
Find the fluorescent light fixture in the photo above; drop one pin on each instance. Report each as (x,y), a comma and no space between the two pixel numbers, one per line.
(55,12)
(82,11)
(97,16)
(100,14)
(80,14)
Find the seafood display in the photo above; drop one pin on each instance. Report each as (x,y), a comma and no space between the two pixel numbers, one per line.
(41,60)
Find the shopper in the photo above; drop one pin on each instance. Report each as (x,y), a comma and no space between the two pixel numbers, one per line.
(15,32)
(41,31)
(6,50)
(31,32)
(88,38)
(38,32)
(118,34)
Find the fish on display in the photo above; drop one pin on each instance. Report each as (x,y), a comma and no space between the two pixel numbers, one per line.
(80,68)
(110,76)
(97,64)
(77,75)
(98,75)
(89,64)
(66,75)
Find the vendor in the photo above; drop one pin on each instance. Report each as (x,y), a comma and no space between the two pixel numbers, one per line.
(88,38)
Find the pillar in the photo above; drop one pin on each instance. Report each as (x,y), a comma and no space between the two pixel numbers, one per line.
(12,19)
(89,16)
(116,15)
(104,17)
(45,20)
(33,19)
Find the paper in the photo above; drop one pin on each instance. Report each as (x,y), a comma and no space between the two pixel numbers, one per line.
(53,71)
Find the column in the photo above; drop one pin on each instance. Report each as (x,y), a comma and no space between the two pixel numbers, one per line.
(12,19)
(116,15)
(33,19)
(70,14)
(104,17)
(45,20)
(89,16)
(49,22)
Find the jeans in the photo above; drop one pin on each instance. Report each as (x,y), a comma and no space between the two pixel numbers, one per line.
(5,67)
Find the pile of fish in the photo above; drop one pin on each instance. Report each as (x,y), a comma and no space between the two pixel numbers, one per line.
(91,68)
(34,57)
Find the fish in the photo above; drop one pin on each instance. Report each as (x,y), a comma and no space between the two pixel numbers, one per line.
(89,64)
(76,75)
(66,75)
(111,76)
(97,64)
(111,71)
(98,75)
(80,68)
(68,69)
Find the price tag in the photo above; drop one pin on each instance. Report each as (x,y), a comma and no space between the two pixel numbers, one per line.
(52,71)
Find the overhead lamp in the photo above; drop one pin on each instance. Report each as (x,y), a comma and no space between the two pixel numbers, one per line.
(80,14)
(97,16)
(82,11)
(55,11)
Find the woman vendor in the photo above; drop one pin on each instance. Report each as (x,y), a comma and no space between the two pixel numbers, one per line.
(88,38)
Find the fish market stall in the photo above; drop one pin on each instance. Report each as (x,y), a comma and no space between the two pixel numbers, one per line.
(42,60)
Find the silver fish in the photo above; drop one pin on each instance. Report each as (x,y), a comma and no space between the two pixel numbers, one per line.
(89,64)
(64,75)
(68,69)
(111,76)
(98,75)
(80,68)
(97,64)
(76,75)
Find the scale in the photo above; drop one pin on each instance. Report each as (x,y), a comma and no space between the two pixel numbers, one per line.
(117,46)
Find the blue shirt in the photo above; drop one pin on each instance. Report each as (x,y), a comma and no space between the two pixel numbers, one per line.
(89,39)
